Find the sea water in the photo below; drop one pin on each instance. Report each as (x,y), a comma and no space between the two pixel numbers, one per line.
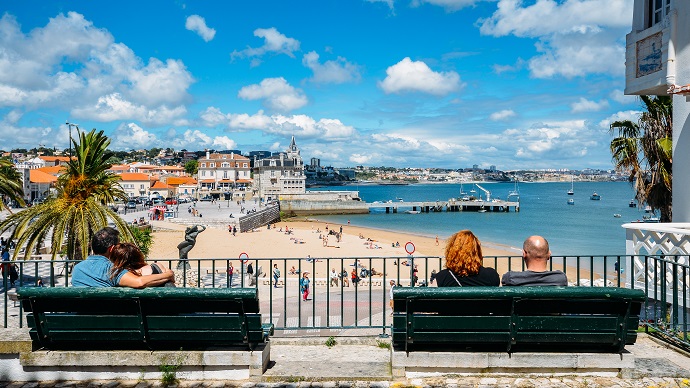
(586,228)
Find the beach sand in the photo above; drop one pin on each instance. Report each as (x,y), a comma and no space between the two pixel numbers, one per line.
(263,243)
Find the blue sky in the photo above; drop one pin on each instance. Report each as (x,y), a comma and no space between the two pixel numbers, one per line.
(405,83)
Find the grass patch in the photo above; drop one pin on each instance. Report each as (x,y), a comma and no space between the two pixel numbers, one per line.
(383,344)
(331,342)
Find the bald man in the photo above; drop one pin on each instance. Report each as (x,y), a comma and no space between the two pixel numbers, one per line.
(536,254)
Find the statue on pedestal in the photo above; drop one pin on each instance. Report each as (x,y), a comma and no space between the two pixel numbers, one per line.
(185,246)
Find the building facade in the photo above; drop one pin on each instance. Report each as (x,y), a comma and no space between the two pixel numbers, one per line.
(220,173)
(280,174)
(657,62)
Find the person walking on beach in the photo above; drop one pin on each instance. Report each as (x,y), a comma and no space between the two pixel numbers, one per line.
(276,275)
(231,271)
(535,254)
(304,286)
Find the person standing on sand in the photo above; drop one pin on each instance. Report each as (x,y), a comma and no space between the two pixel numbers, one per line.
(334,278)
(231,271)
(436,240)
(276,275)
(535,254)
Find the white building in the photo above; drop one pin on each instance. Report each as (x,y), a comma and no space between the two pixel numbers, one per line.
(657,62)
(218,173)
(280,174)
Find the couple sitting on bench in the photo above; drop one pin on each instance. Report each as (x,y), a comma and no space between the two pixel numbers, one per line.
(464,265)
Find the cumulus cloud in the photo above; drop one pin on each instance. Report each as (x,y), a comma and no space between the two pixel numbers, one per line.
(361,158)
(197,24)
(576,37)
(12,132)
(114,107)
(274,42)
(448,5)
(585,105)
(224,142)
(131,136)
(502,115)
(632,115)
(337,71)
(620,97)
(555,140)
(416,76)
(275,94)
(33,71)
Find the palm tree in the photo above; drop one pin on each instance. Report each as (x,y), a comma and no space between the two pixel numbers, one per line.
(11,185)
(645,150)
(79,207)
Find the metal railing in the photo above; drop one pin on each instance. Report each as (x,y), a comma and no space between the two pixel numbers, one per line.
(338,305)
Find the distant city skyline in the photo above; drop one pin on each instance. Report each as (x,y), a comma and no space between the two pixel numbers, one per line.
(400,83)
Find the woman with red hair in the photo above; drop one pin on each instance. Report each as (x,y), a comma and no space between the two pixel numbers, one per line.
(464,261)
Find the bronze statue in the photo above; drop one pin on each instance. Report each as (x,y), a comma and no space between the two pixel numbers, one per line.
(185,246)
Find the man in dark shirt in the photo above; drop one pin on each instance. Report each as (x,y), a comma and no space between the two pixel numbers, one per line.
(536,254)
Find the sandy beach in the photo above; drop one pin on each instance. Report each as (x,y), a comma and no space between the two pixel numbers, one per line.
(305,241)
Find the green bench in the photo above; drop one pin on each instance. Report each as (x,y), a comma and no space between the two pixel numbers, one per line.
(79,318)
(516,319)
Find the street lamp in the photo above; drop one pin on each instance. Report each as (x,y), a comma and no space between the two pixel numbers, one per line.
(70,125)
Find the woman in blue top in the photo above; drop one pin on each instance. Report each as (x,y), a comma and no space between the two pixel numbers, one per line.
(304,285)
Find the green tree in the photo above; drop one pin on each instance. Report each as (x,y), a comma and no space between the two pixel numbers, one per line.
(191,167)
(11,185)
(79,208)
(644,148)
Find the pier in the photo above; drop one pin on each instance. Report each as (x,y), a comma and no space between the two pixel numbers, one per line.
(449,206)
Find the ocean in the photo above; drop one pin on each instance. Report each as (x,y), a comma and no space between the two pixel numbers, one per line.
(586,228)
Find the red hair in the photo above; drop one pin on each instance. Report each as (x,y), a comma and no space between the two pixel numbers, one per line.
(464,253)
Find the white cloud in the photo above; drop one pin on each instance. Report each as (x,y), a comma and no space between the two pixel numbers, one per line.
(224,142)
(198,24)
(361,158)
(274,42)
(584,105)
(70,63)
(131,136)
(305,126)
(576,37)
(407,75)
(502,115)
(276,94)
(632,115)
(551,140)
(448,5)
(337,72)
(276,147)
(620,97)
(114,107)
(11,132)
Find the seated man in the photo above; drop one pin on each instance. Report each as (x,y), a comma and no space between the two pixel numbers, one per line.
(536,254)
(95,271)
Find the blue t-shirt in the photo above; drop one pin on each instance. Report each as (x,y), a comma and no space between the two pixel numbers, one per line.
(95,272)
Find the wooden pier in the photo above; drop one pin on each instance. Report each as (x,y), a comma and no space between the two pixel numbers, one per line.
(448,206)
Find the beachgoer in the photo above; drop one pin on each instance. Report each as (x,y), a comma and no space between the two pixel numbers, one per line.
(39,282)
(535,254)
(344,280)
(304,286)
(230,271)
(334,278)
(464,263)
(276,275)
(234,231)
(390,303)
(95,270)
(250,272)
(437,240)
(433,276)
(354,277)
(127,256)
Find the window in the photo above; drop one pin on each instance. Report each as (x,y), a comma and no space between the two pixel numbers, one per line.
(658,9)
(213,165)
(203,165)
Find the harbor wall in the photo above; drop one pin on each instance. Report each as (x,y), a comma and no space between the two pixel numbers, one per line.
(306,207)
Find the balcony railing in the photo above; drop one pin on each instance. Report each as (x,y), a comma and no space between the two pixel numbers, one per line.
(339,307)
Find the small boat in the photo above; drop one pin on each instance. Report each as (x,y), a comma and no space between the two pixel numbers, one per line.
(571,201)
(632,203)
(571,191)
(648,209)
(617,215)
(412,211)
(595,196)
(652,219)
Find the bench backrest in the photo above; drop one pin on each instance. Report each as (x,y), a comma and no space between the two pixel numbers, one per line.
(152,318)
(550,319)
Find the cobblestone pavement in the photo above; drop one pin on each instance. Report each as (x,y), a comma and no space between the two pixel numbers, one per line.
(522,382)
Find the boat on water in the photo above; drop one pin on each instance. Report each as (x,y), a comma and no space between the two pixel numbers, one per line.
(595,196)
(651,218)
(571,201)
(632,203)
(571,191)
(515,192)
(412,211)
(648,209)
(617,215)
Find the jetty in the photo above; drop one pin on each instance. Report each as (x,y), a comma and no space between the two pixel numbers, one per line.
(452,205)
